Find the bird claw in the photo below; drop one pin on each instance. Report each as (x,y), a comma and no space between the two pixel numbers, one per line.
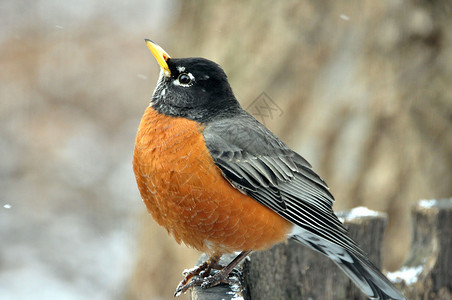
(199,276)
(189,274)
(214,280)
(181,288)
(204,282)
(202,270)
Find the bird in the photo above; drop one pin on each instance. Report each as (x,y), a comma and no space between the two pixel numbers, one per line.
(220,182)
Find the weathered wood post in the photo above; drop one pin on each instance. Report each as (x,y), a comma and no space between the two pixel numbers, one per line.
(427,273)
(292,271)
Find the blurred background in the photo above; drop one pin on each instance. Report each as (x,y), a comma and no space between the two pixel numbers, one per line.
(360,88)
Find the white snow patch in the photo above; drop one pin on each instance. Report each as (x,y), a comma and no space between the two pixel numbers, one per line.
(428,203)
(344,17)
(7,206)
(236,290)
(357,213)
(408,274)
(361,211)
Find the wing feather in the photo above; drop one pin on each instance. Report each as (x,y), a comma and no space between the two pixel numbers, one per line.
(255,161)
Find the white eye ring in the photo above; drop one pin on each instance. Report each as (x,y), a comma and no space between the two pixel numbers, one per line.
(184,79)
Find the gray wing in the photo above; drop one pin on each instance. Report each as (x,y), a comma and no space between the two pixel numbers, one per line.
(260,165)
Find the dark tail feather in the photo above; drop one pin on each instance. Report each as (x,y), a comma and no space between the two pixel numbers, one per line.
(369,279)
(355,265)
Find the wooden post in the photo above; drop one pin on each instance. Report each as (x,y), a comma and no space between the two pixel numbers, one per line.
(427,273)
(292,271)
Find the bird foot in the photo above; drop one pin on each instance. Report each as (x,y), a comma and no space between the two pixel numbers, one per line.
(206,281)
(202,270)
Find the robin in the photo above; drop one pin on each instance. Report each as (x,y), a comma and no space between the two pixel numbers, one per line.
(219,181)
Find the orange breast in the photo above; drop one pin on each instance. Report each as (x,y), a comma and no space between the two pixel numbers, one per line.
(186,193)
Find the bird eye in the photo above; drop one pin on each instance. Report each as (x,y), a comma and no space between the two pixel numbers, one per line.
(184,78)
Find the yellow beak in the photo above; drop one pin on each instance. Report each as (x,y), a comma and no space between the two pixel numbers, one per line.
(160,55)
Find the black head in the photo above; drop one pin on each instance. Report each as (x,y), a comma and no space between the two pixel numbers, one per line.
(193,88)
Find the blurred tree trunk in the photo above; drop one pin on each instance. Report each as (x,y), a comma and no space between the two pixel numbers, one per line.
(363,87)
